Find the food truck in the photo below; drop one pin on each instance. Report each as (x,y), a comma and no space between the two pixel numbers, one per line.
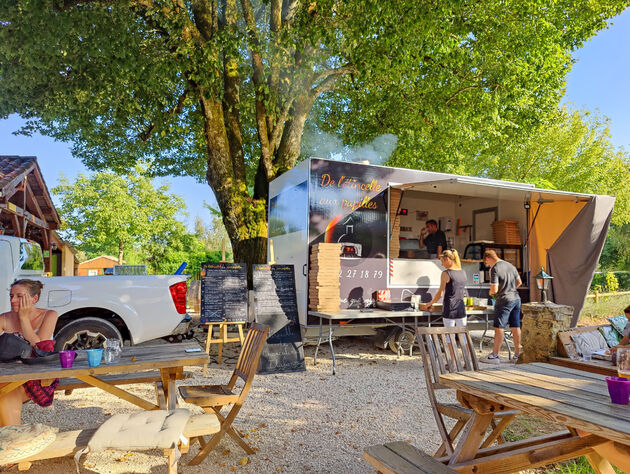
(376,215)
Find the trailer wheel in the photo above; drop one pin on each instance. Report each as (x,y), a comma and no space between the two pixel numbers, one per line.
(405,338)
(86,333)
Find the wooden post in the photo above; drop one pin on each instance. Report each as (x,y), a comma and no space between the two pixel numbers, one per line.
(272,259)
(596,297)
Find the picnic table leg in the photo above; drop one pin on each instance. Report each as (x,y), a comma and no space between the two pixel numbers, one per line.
(169,375)
(476,427)
(10,386)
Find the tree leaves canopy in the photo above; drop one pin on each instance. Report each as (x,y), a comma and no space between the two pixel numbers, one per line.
(113,214)
(223,88)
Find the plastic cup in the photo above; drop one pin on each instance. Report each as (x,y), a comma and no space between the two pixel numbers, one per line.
(67,358)
(619,389)
(94,357)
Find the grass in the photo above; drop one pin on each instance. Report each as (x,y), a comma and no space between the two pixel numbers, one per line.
(527,426)
(596,313)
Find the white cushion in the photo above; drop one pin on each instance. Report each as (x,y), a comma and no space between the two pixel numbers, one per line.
(22,441)
(142,430)
(591,341)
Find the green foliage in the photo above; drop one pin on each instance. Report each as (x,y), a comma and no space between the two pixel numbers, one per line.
(599,281)
(221,90)
(616,251)
(115,214)
(213,237)
(611,282)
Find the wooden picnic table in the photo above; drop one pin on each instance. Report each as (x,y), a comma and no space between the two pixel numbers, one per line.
(597,428)
(169,359)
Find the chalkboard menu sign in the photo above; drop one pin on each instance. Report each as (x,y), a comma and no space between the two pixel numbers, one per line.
(223,292)
(276,307)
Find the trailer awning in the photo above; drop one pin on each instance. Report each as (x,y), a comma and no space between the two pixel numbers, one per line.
(491,189)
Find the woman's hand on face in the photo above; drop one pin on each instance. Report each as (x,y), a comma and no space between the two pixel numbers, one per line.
(26,305)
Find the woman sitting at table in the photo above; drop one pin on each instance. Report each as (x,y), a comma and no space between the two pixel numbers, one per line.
(35,325)
(453,286)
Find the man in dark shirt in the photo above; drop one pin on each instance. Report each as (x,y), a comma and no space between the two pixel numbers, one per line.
(433,239)
(504,280)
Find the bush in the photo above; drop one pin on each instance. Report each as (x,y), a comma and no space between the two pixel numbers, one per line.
(612,284)
(600,283)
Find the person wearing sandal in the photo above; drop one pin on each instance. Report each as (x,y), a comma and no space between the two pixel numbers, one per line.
(504,280)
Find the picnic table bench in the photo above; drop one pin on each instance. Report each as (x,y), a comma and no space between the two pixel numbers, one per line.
(400,457)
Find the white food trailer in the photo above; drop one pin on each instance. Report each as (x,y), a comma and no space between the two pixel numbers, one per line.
(376,213)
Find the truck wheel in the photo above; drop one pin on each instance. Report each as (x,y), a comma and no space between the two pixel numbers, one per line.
(86,333)
(403,338)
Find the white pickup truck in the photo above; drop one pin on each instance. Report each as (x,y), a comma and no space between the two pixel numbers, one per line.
(92,309)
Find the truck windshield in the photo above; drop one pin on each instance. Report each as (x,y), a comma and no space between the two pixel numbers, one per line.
(31,256)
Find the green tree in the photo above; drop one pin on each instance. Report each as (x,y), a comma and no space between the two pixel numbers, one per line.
(616,252)
(214,236)
(107,212)
(571,151)
(222,89)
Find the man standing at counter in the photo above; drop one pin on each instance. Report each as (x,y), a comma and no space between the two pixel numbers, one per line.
(433,239)
(504,280)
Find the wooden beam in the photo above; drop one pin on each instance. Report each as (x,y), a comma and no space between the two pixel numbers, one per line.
(31,200)
(9,191)
(15,182)
(45,194)
(531,456)
(18,211)
(89,379)
(16,226)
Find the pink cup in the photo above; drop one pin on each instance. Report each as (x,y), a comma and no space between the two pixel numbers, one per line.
(67,358)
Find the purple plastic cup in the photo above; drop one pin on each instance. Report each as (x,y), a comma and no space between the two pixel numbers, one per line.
(619,389)
(67,358)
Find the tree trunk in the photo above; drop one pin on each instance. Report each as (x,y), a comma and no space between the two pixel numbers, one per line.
(121,250)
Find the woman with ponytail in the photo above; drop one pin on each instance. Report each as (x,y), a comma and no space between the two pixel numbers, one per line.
(453,287)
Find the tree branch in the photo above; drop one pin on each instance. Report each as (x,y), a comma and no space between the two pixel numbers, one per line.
(289,9)
(464,89)
(258,78)
(328,78)
(144,136)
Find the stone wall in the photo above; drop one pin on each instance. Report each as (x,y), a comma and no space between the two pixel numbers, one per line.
(540,325)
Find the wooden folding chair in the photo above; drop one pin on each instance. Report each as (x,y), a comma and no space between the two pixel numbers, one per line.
(450,350)
(212,398)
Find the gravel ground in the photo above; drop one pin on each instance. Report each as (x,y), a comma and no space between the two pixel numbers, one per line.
(310,422)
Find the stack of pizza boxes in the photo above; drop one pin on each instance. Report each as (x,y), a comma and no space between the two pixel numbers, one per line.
(323,278)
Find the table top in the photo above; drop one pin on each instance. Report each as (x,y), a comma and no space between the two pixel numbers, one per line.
(132,359)
(564,395)
(382,313)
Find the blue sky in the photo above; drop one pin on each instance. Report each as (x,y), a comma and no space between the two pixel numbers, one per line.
(597,82)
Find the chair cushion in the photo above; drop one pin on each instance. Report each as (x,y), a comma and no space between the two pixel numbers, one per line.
(142,430)
(611,335)
(618,322)
(22,441)
(592,341)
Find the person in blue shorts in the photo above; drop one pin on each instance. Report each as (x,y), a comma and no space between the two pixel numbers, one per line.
(504,280)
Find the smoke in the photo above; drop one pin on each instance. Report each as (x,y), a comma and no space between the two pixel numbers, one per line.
(325,145)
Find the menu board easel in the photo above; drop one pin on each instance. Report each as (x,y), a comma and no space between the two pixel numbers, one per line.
(276,307)
(223,292)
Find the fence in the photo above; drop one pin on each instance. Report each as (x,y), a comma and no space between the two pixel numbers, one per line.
(597,295)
